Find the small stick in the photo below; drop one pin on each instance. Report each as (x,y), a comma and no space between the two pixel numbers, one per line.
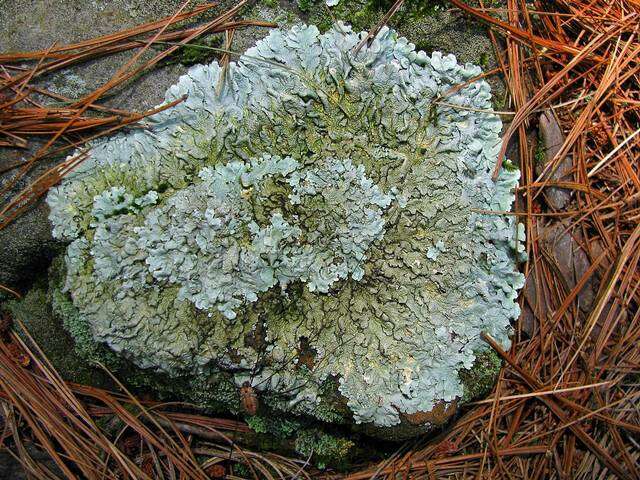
(375,30)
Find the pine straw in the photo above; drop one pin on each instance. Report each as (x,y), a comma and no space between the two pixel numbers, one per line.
(72,424)
(565,402)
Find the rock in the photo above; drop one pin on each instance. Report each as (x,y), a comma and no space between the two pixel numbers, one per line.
(11,469)
(27,25)
(34,311)
(181,265)
(35,27)
(27,246)
(430,28)
(552,139)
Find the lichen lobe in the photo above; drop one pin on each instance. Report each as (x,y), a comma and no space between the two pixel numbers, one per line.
(319,195)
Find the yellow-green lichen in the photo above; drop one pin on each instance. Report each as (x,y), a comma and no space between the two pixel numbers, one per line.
(323,448)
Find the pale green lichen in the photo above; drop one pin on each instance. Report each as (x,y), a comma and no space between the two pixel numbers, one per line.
(116,201)
(214,241)
(319,195)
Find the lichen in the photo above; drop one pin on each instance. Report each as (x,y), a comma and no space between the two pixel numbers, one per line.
(316,218)
(304,5)
(214,240)
(322,448)
(280,427)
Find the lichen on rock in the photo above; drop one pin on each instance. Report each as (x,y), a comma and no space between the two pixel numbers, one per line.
(216,242)
(315,221)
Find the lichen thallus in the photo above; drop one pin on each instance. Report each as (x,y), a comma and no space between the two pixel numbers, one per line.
(305,355)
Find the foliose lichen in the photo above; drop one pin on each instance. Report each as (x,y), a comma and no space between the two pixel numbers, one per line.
(207,239)
(317,220)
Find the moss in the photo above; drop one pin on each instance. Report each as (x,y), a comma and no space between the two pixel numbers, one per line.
(46,330)
(279,427)
(258,424)
(481,377)
(499,100)
(242,471)
(509,166)
(361,14)
(484,60)
(427,24)
(191,55)
(417,8)
(267,11)
(62,308)
(540,155)
(266,439)
(323,448)
(364,14)
(217,393)
(305,5)
(333,406)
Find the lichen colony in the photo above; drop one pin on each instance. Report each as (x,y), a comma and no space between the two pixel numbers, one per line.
(313,204)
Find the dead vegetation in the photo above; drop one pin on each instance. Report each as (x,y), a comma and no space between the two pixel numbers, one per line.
(565,405)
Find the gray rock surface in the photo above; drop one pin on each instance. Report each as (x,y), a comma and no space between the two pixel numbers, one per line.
(27,246)
(34,311)
(11,469)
